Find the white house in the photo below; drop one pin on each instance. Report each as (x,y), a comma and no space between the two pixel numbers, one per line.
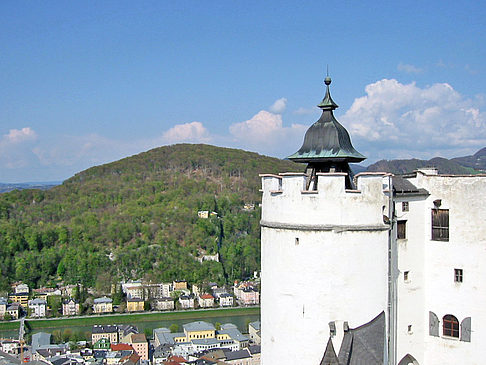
(70,307)
(225,300)
(38,307)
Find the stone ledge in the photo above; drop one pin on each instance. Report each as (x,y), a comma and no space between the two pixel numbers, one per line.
(324,227)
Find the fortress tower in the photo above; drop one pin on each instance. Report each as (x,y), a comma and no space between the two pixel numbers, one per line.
(324,247)
(370,269)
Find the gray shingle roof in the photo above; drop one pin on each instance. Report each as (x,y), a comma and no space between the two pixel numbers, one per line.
(102,300)
(199,326)
(361,345)
(104,329)
(40,339)
(6,359)
(255,325)
(236,355)
(402,186)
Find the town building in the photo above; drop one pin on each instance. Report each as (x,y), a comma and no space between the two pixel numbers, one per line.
(37,307)
(393,263)
(13,310)
(103,305)
(254,332)
(179,285)
(3,307)
(225,300)
(198,337)
(109,332)
(186,301)
(135,305)
(139,343)
(20,298)
(10,346)
(158,291)
(247,294)
(103,344)
(22,288)
(163,304)
(134,291)
(206,301)
(70,307)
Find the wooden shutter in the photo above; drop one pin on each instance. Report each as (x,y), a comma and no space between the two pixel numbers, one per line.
(402,229)
(433,324)
(440,224)
(466,329)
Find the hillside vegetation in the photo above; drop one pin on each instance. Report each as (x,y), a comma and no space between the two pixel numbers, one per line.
(137,218)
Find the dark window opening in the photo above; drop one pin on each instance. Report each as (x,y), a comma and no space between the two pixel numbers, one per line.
(404,206)
(458,275)
(440,224)
(450,326)
(405,275)
(401,229)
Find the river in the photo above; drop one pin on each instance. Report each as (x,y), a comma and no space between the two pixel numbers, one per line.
(241,321)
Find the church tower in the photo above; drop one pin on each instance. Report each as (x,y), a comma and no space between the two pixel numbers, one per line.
(325,237)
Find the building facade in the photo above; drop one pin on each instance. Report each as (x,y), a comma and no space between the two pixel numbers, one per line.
(70,307)
(393,263)
(37,307)
(103,305)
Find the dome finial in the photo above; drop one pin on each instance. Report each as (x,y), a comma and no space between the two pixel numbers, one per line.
(327,80)
(327,103)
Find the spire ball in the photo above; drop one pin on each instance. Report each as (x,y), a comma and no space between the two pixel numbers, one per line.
(327,80)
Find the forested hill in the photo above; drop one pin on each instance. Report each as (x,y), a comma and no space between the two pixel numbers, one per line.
(137,218)
(473,164)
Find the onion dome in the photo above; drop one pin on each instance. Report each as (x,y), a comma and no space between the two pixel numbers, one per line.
(327,141)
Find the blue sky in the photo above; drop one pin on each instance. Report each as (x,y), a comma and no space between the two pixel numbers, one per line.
(85,83)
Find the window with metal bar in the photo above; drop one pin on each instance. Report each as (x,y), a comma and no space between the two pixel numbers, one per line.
(450,326)
(458,275)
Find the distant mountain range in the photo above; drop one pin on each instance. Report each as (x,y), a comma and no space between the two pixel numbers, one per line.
(6,187)
(473,164)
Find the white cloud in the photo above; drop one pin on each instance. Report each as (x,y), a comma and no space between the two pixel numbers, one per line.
(20,135)
(279,106)
(266,133)
(411,69)
(187,132)
(260,127)
(393,117)
(16,148)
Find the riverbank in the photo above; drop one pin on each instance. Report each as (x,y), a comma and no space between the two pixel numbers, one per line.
(132,318)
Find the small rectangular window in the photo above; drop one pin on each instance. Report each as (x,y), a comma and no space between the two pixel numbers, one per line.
(458,275)
(404,206)
(405,275)
(296,241)
(440,224)
(401,230)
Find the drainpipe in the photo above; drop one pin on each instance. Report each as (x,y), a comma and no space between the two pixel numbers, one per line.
(392,289)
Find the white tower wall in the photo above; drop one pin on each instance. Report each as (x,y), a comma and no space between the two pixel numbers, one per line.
(324,258)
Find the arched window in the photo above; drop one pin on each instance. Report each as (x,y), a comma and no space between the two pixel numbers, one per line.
(450,326)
